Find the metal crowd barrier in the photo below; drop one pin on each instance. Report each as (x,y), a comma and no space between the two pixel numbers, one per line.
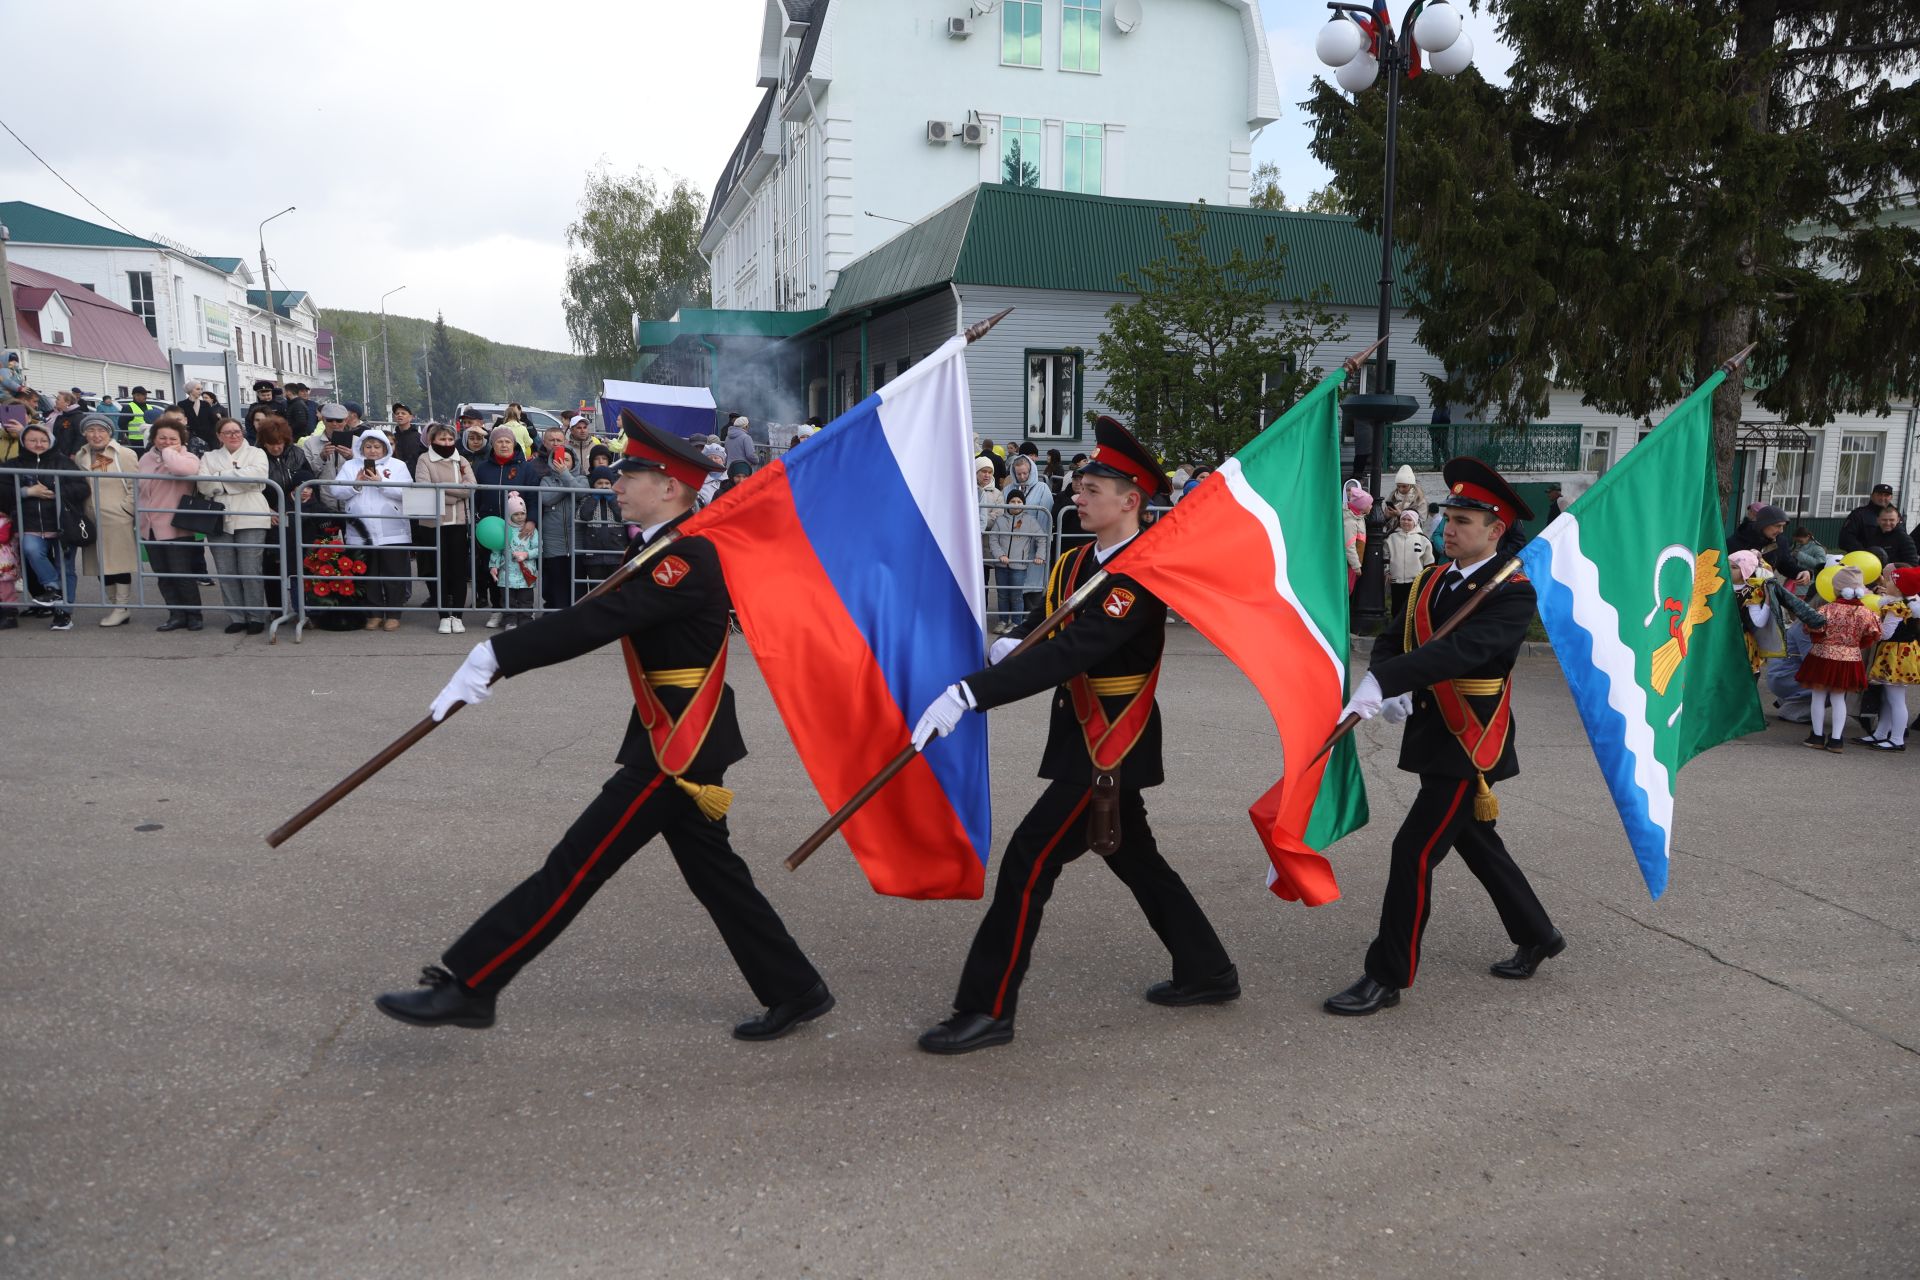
(91,590)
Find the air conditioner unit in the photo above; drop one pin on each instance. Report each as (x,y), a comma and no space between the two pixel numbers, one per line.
(939,131)
(959,28)
(973,133)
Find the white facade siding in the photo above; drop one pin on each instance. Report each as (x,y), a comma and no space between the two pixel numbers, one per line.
(1177,100)
(95,377)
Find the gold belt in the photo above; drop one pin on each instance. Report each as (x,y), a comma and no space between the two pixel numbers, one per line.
(677,678)
(1116,686)
(1480,688)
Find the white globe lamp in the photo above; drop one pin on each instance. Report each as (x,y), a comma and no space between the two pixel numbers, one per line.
(1358,76)
(1340,41)
(1437,27)
(1453,59)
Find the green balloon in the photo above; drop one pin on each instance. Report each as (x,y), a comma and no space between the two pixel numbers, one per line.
(491,533)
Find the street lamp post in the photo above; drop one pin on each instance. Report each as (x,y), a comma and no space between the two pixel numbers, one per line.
(1361,41)
(386,369)
(266,283)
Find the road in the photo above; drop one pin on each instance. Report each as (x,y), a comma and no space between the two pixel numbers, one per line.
(195,1081)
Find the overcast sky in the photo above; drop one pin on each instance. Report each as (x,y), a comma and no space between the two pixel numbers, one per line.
(439,146)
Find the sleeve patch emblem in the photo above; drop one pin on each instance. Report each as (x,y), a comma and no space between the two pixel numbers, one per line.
(1118,602)
(669,571)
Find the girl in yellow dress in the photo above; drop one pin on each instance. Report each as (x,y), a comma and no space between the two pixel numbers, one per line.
(1896,659)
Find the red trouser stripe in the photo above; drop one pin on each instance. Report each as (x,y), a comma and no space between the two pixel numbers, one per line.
(1420,883)
(572,884)
(1026,898)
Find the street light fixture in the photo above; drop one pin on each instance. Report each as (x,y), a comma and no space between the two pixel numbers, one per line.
(1361,43)
(386,368)
(266,283)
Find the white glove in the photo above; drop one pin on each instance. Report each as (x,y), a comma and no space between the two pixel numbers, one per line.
(1366,699)
(472,683)
(1001,648)
(1395,710)
(938,720)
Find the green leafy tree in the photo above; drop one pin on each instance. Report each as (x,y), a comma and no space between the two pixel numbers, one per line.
(1326,200)
(633,251)
(1660,183)
(1016,170)
(1263,187)
(1214,348)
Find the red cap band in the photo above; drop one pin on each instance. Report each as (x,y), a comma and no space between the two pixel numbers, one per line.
(1467,489)
(680,469)
(1129,467)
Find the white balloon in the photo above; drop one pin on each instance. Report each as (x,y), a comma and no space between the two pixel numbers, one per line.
(1339,41)
(1357,76)
(1453,59)
(1437,27)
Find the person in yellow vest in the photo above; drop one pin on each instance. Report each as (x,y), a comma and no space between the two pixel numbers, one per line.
(136,416)
(671,621)
(1103,751)
(1455,695)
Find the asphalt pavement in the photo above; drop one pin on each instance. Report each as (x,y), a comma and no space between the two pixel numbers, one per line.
(194,1082)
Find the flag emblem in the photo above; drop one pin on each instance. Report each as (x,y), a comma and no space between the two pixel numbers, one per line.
(669,571)
(1683,612)
(1118,602)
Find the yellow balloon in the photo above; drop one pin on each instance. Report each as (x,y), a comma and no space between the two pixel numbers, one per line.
(1872,602)
(1823,582)
(1866,562)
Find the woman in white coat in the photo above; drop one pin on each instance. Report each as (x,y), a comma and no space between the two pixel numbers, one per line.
(372,504)
(239,552)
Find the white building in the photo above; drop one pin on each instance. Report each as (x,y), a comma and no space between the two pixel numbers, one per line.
(879,112)
(188,302)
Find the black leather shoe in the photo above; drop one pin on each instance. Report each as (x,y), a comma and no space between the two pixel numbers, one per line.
(1218,989)
(1527,959)
(235,628)
(442,1001)
(787,1015)
(1363,997)
(965,1032)
(174,622)
(194,623)
(255,628)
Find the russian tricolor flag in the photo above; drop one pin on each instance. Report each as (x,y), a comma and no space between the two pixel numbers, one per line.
(854,565)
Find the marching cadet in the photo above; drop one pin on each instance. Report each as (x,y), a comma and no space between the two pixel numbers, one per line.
(1103,750)
(671,621)
(1455,694)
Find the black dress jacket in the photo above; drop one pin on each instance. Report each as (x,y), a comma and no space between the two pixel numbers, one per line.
(1484,647)
(675,611)
(1121,632)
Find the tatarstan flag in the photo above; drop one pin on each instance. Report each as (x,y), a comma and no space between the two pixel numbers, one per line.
(1253,559)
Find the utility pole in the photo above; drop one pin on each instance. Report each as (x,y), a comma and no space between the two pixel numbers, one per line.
(266,283)
(426,376)
(366,382)
(385,366)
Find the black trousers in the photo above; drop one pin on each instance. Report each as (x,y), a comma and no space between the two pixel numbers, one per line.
(1441,819)
(1054,833)
(632,808)
(178,559)
(454,567)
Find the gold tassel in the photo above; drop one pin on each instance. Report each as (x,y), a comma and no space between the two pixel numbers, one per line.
(1486,805)
(712,801)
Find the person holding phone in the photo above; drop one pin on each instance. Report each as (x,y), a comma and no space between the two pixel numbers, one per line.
(373,505)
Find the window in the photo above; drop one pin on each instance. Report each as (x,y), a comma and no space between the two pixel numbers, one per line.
(1859,471)
(1596,449)
(1053,395)
(1084,145)
(879,376)
(1789,484)
(1020,33)
(1080,35)
(140,299)
(1372,366)
(1276,391)
(1020,151)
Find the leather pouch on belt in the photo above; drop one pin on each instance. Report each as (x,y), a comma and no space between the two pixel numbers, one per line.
(1103,815)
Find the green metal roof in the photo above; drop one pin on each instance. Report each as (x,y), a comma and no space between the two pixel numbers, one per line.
(30,224)
(1027,238)
(284,300)
(228,265)
(707,323)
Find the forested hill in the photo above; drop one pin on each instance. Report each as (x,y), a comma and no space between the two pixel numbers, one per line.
(465,366)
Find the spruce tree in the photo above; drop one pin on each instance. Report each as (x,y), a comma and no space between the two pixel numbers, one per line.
(1660,183)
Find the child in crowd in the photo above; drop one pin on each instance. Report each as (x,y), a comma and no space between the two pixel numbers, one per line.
(1408,552)
(1809,555)
(1896,659)
(1835,666)
(1358,503)
(9,574)
(598,528)
(512,565)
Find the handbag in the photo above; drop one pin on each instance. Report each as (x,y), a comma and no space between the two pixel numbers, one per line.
(76,530)
(200,514)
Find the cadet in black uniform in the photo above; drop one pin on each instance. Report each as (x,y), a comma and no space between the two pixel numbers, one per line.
(1454,694)
(1105,662)
(672,621)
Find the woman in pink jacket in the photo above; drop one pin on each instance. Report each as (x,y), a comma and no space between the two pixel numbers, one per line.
(175,556)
